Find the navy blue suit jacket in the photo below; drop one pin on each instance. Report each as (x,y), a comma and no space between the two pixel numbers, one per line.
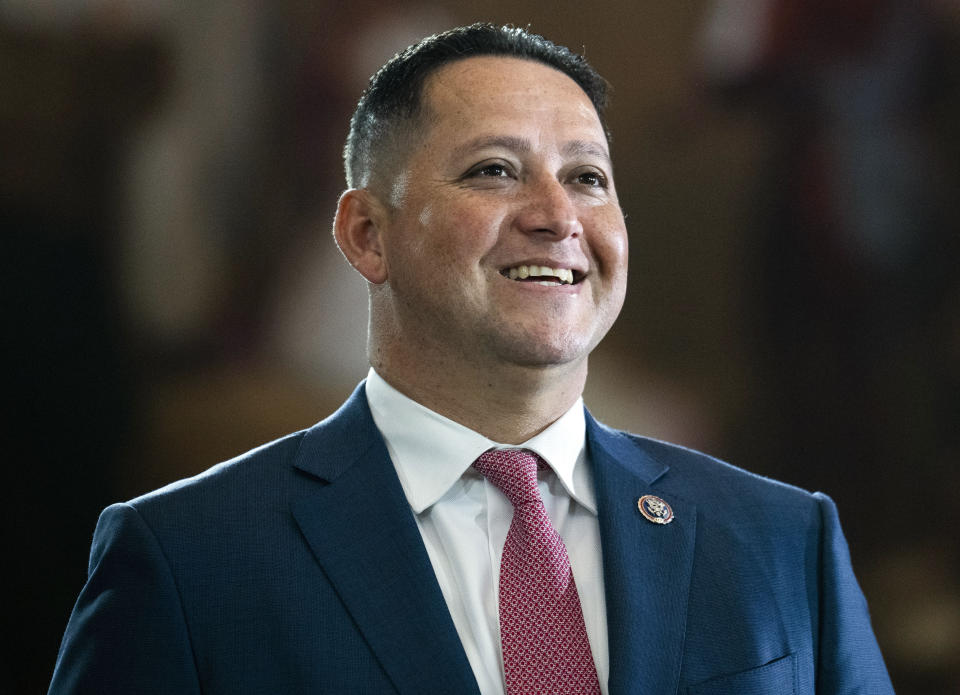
(298,568)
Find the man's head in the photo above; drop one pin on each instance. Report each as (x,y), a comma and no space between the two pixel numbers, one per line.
(390,111)
(499,246)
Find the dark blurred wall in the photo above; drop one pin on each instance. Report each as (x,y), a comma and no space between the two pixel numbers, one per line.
(69,103)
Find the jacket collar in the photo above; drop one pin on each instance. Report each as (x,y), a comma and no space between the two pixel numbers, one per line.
(646,566)
(389,588)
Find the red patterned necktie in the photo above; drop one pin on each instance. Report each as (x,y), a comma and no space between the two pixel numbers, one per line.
(545,647)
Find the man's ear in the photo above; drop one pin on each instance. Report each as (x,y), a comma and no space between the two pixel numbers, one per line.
(357,228)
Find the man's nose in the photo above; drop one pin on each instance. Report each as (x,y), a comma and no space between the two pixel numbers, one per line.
(548,210)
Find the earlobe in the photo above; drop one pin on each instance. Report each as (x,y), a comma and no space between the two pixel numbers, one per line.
(357,229)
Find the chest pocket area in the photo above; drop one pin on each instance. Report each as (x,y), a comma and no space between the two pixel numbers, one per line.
(779,677)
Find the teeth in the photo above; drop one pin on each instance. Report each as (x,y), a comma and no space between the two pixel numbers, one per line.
(522,272)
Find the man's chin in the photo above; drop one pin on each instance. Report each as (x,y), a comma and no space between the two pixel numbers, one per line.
(540,354)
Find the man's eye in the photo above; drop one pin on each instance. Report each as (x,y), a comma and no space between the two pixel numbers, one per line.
(593,179)
(491,170)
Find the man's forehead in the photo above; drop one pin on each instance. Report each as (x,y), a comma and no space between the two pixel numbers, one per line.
(497,76)
(488,87)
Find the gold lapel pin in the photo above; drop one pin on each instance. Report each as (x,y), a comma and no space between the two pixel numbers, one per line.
(655,509)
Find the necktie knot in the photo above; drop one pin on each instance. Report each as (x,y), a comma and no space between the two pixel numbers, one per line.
(513,472)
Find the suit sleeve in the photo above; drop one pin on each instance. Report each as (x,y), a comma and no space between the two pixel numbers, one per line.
(849,657)
(127,632)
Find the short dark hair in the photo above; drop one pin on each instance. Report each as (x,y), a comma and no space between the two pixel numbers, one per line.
(393,97)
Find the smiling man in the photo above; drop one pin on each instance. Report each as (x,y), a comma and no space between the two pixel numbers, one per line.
(461,524)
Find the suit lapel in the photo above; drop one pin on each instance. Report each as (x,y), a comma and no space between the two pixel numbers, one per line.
(646,566)
(360,528)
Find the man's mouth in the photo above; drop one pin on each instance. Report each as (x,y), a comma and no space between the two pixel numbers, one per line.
(542,275)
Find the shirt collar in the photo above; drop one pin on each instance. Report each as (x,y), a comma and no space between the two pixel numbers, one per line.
(431,452)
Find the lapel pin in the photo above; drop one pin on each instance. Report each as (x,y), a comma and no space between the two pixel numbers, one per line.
(655,509)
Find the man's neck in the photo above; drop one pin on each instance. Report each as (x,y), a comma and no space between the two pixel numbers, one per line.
(509,404)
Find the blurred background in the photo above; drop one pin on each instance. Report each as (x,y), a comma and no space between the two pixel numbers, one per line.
(790,170)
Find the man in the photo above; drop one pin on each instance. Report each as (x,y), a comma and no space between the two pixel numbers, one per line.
(461,524)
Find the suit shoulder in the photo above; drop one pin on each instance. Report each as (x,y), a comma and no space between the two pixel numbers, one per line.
(715,480)
(258,468)
(727,496)
(263,480)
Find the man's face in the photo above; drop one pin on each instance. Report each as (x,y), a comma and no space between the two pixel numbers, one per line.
(511,174)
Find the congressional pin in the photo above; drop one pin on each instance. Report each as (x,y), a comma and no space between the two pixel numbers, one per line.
(655,509)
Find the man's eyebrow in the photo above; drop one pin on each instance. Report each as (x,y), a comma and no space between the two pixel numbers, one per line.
(508,142)
(585,148)
(573,148)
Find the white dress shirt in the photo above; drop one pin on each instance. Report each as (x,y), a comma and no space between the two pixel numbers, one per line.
(464,519)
